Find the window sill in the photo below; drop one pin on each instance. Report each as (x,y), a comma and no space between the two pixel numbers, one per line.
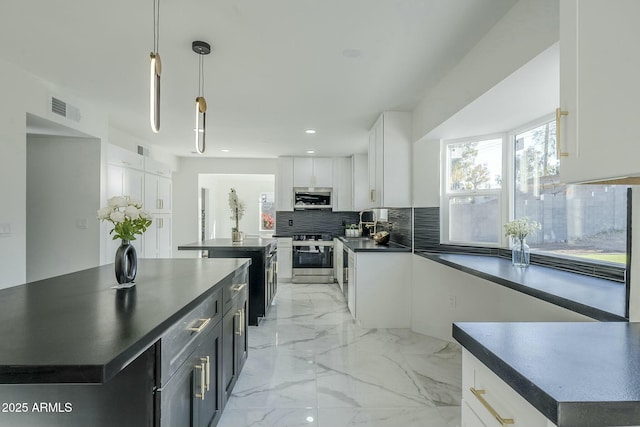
(600,299)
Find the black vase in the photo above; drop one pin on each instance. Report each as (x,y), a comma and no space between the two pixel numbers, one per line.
(126,263)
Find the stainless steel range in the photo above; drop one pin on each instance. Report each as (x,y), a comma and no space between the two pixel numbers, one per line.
(312,258)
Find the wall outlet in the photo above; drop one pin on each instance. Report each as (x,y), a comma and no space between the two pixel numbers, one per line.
(5,229)
(452,301)
(290,222)
(82,223)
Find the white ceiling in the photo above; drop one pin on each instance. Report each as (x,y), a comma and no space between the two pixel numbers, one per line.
(277,68)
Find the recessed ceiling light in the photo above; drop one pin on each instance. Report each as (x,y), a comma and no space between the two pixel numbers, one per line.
(311,152)
(225,150)
(310,131)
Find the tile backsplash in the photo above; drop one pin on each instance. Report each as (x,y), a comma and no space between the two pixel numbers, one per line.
(314,222)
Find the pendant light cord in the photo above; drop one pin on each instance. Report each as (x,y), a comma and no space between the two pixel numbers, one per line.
(200,75)
(156,25)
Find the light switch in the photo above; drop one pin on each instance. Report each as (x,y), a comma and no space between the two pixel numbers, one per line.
(5,229)
(82,223)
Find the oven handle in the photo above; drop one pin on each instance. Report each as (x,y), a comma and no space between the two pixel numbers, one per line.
(312,243)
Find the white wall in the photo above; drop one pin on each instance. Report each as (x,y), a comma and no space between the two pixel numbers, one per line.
(248,188)
(63,191)
(443,295)
(186,192)
(23,93)
(530,27)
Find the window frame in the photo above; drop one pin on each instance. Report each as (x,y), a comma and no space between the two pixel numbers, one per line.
(446,195)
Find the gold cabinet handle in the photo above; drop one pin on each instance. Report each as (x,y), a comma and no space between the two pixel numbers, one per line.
(238,288)
(503,421)
(203,325)
(202,380)
(207,363)
(372,196)
(242,320)
(559,114)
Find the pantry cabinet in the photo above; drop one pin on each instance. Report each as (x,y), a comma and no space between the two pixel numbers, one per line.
(342,198)
(599,89)
(390,160)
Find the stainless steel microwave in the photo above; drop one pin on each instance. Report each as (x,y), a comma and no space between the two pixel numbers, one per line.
(312,198)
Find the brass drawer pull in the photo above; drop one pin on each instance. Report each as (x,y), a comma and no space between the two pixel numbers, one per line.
(239,329)
(503,421)
(203,325)
(208,370)
(202,381)
(239,287)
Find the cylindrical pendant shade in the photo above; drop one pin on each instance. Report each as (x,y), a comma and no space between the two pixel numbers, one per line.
(155,69)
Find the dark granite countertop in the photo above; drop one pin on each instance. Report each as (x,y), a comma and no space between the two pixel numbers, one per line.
(583,374)
(76,328)
(260,243)
(599,299)
(367,244)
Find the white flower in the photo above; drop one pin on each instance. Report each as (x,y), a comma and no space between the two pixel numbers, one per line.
(135,202)
(132,212)
(144,214)
(103,213)
(117,217)
(117,202)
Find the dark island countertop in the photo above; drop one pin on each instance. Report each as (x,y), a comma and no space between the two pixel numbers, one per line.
(599,299)
(366,244)
(248,243)
(76,328)
(576,374)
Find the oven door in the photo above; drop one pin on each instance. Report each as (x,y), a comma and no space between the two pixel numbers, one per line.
(312,262)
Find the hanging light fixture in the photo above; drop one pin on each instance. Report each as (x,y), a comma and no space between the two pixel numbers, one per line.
(201,48)
(155,70)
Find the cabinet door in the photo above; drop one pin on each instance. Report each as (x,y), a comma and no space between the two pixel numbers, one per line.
(164,194)
(157,193)
(342,184)
(351,297)
(360,182)
(303,172)
(372,164)
(209,408)
(163,241)
(230,332)
(284,262)
(322,172)
(599,89)
(284,184)
(242,342)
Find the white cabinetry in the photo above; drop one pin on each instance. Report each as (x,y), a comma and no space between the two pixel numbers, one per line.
(157,187)
(284,184)
(157,238)
(360,181)
(599,89)
(390,160)
(313,172)
(486,399)
(342,198)
(380,289)
(338,261)
(284,258)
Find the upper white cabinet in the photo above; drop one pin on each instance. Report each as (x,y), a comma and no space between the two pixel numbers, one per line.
(599,89)
(118,156)
(390,160)
(157,187)
(342,198)
(360,181)
(284,184)
(313,172)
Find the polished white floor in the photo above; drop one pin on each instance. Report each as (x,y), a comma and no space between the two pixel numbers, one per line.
(311,365)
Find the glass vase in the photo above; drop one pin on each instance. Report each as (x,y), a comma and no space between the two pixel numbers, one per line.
(520,254)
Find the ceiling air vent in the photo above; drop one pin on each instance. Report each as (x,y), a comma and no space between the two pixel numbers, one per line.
(63,109)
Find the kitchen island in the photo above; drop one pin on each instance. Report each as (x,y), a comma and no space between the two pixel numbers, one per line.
(582,374)
(262,273)
(77,352)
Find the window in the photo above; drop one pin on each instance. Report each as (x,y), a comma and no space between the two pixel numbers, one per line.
(473,191)
(267,212)
(586,221)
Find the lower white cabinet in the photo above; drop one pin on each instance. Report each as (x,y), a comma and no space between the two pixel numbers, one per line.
(284,258)
(338,261)
(379,294)
(488,401)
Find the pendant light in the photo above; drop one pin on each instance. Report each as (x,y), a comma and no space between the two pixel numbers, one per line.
(201,48)
(154,72)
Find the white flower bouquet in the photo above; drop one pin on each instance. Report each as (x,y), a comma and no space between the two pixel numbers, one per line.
(127,216)
(520,228)
(237,208)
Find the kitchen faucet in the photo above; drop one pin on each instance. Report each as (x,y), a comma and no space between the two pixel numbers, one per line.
(367,224)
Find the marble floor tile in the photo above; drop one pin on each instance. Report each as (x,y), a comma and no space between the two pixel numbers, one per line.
(310,364)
